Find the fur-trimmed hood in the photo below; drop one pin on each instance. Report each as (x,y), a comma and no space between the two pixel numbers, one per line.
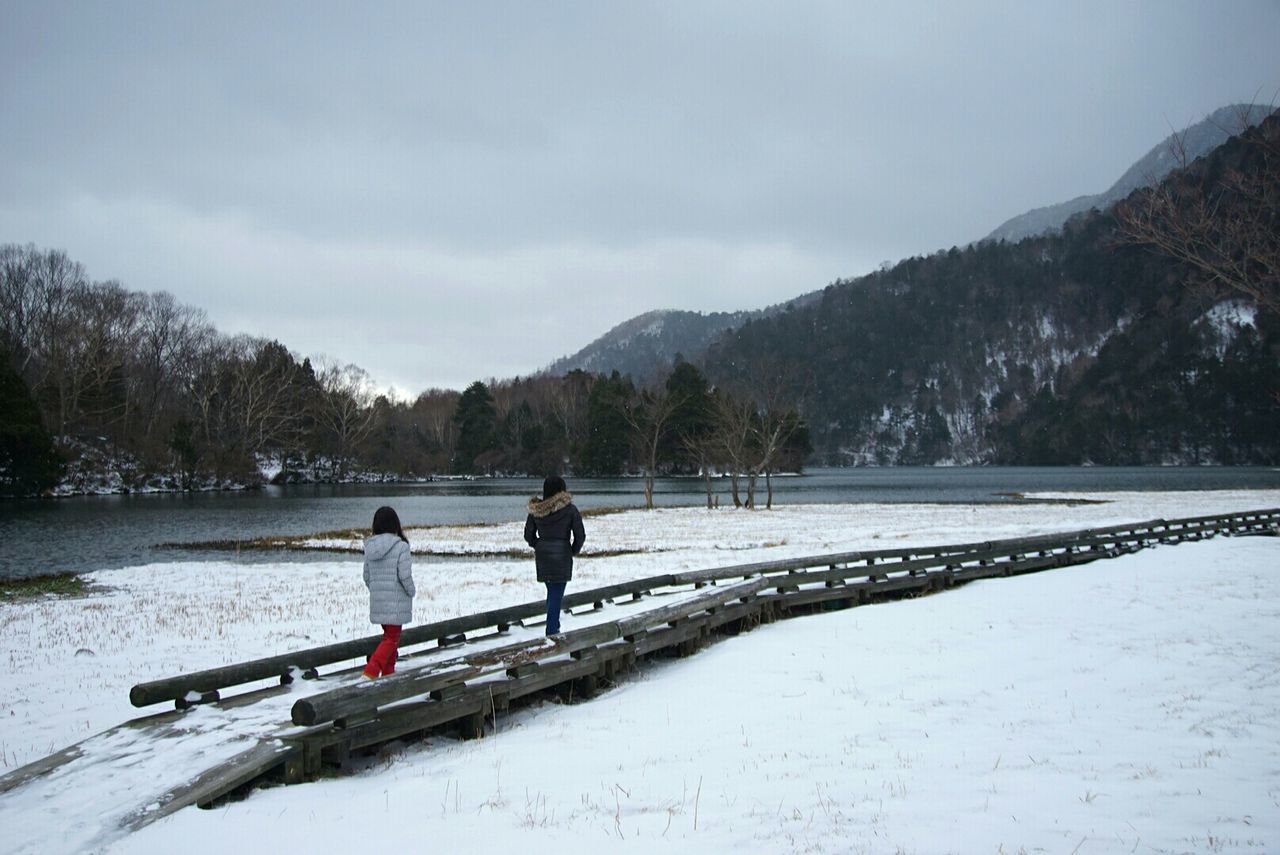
(546,507)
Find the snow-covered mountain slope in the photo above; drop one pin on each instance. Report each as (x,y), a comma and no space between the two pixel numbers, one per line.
(647,344)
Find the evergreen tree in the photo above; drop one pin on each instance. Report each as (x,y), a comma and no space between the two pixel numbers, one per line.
(608,444)
(182,442)
(476,423)
(796,450)
(29,464)
(692,421)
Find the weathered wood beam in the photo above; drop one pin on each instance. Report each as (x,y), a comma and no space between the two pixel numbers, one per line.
(716,597)
(365,695)
(214,783)
(356,698)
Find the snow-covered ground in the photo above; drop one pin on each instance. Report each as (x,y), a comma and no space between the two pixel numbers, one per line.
(1127,705)
(687,538)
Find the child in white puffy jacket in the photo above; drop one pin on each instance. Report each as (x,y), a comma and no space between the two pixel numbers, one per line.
(388,574)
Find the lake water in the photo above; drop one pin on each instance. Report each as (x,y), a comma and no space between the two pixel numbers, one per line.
(102,532)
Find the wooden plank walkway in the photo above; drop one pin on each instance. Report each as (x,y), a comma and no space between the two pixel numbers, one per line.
(229,731)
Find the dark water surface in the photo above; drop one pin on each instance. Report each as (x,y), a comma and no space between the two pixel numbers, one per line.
(102,532)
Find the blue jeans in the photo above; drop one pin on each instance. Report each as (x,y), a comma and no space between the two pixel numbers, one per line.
(555,596)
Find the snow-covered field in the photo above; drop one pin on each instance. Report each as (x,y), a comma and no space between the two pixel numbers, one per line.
(1127,705)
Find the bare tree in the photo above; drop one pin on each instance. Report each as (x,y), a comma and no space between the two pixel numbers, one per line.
(1223,223)
(167,337)
(345,407)
(37,290)
(774,429)
(263,394)
(706,450)
(56,280)
(568,402)
(433,413)
(101,323)
(734,419)
(505,397)
(203,386)
(18,303)
(757,425)
(649,415)
(245,396)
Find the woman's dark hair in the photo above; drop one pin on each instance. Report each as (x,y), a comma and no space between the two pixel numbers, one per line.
(385,521)
(551,485)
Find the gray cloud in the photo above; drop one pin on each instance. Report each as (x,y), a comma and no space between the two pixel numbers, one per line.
(441,193)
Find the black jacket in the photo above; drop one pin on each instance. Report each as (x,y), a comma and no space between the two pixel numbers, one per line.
(554,530)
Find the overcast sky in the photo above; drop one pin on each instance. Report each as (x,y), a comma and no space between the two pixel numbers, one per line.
(448,192)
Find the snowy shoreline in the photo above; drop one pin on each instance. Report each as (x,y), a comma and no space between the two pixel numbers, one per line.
(901,703)
(794,530)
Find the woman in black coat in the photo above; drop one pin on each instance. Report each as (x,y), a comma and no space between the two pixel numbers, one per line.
(553,520)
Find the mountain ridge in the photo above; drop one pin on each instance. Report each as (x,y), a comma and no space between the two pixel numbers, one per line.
(1179,148)
(645,346)
(1068,348)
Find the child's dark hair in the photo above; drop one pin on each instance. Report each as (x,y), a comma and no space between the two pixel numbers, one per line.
(551,485)
(385,521)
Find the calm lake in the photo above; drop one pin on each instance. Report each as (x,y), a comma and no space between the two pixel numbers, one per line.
(103,532)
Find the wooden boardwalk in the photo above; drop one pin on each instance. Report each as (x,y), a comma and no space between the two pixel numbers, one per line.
(281,720)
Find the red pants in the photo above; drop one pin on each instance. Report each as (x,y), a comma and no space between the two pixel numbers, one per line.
(383,660)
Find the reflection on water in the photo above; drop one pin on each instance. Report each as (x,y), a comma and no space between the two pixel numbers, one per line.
(98,532)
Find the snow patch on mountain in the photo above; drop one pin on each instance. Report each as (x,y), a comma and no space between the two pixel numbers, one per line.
(1226,321)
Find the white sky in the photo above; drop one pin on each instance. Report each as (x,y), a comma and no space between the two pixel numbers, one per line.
(447,192)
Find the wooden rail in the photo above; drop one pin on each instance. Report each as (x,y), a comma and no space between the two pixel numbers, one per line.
(209,683)
(207,686)
(463,689)
(368,695)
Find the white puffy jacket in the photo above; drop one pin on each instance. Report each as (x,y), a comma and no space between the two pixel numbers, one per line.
(388,574)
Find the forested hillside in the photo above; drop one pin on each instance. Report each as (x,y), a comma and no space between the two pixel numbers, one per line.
(645,347)
(1148,333)
(1075,348)
(107,389)
(135,390)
